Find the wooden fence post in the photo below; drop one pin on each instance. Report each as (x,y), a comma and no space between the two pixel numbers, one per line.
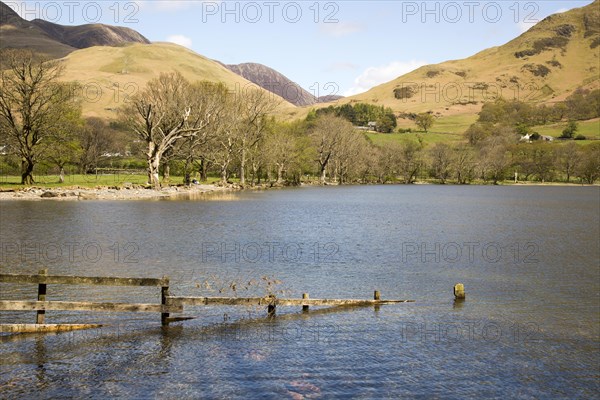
(164,292)
(459,291)
(377,295)
(304,296)
(41,314)
(271,308)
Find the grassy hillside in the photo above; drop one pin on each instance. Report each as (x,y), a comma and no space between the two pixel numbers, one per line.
(544,64)
(554,71)
(109,74)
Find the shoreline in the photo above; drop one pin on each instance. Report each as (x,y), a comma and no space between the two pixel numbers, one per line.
(76,193)
(138,192)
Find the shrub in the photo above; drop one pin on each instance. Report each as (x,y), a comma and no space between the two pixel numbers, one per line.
(405,92)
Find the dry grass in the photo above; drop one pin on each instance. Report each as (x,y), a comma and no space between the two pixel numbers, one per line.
(110,74)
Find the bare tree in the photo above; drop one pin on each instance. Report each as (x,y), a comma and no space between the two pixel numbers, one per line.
(463,162)
(440,160)
(224,144)
(326,135)
(589,166)
(166,111)
(255,105)
(351,147)
(33,107)
(568,159)
(194,150)
(493,159)
(411,161)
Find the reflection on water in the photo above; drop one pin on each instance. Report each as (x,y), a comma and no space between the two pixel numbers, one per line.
(218,195)
(528,258)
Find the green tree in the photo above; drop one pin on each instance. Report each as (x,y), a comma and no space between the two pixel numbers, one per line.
(570,131)
(425,121)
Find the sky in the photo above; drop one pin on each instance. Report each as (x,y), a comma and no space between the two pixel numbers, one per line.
(328,47)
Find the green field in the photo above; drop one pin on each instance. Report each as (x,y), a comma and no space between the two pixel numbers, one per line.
(590,129)
(382,139)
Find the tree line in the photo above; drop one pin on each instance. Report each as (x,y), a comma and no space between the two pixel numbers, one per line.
(201,129)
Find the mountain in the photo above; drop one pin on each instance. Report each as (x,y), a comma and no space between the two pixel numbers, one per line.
(56,41)
(544,64)
(89,35)
(274,82)
(108,75)
(277,83)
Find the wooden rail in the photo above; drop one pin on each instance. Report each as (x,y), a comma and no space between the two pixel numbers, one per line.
(42,279)
(168,304)
(10,305)
(82,280)
(265,301)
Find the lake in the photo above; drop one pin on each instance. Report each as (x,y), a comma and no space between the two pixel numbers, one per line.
(529,258)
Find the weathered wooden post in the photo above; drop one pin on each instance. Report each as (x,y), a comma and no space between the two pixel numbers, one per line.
(377,297)
(164,293)
(459,291)
(271,308)
(305,297)
(41,314)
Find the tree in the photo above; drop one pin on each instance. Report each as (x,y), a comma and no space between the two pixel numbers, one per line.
(63,147)
(196,150)
(349,153)
(463,162)
(424,121)
(477,132)
(410,162)
(570,131)
(34,106)
(284,147)
(440,160)
(326,136)
(567,159)
(224,143)
(94,140)
(543,162)
(166,111)
(588,169)
(255,105)
(493,159)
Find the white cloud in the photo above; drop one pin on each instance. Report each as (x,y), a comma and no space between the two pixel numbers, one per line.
(341,28)
(180,40)
(374,76)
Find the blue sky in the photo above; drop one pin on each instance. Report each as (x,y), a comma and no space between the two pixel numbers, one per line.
(328,47)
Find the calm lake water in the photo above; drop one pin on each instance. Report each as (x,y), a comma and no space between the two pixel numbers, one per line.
(529,258)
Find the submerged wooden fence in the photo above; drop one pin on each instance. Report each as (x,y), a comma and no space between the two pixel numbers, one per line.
(168,304)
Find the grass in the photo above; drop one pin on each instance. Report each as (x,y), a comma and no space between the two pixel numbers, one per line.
(383,139)
(86,181)
(110,74)
(456,124)
(590,129)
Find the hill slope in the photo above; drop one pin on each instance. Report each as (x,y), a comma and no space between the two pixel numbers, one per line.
(109,74)
(545,64)
(274,82)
